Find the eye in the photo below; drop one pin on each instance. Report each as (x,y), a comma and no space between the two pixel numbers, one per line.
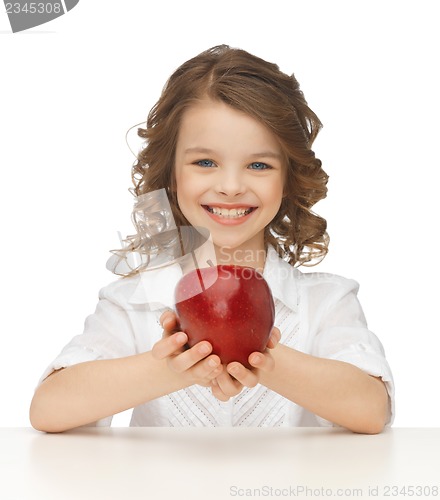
(258,165)
(205,163)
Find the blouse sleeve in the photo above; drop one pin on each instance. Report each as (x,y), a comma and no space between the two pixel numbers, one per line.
(107,334)
(342,334)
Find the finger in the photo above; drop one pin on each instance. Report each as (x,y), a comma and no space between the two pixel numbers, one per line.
(190,357)
(217,392)
(228,385)
(207,369)
(275,337)
(262,361)
(169,345)
(168,320)
(243,375)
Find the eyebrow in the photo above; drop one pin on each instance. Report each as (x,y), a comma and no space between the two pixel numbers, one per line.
(262,154)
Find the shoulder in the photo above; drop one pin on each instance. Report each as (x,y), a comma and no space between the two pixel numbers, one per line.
(318,279)
(120,290)
(325,286)
(330,300)
(155,287)
(294,286)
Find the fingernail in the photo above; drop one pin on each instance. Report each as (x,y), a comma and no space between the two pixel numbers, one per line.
(256,359)
(204,349)
(213,363)
(233,369)
(181,338)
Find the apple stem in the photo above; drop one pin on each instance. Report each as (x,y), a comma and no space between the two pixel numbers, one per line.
(197,268)
(199,275)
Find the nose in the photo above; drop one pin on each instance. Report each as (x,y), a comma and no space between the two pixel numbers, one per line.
(230,182)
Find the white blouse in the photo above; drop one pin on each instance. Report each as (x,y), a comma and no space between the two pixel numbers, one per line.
(317,313)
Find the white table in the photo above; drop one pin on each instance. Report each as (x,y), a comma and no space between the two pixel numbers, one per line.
(170,463)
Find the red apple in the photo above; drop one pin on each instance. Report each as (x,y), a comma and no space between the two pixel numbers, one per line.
(229,306)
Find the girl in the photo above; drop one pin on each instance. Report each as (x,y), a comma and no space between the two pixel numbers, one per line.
(230,143)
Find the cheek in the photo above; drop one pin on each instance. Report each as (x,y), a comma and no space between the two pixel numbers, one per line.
(180,195)
(180,184)
(186,191)
(275,195)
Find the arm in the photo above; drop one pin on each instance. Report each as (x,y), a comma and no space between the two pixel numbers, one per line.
(89,391)
(86,392)
(334,390)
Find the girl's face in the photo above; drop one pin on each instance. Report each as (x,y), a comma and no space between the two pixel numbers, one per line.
(229,175)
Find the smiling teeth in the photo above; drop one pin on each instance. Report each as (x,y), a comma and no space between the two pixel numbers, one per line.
(233,213)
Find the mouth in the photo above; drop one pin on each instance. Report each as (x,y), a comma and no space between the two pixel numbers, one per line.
(231,213)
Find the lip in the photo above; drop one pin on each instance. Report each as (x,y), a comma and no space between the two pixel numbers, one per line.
(228,205)
(232,221)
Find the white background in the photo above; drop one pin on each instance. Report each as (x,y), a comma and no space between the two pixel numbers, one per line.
(70,89)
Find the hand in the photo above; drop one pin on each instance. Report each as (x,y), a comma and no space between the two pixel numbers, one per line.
(196,364)
(236,376)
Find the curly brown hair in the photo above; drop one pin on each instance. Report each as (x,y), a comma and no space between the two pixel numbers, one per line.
(260,89)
